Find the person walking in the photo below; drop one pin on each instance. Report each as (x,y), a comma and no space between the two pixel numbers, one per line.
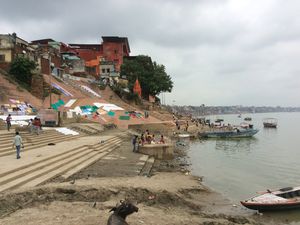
(30,126)
(134,143)
(17,144)
(8,122)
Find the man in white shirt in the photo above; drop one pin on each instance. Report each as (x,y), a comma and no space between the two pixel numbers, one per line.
(17,144)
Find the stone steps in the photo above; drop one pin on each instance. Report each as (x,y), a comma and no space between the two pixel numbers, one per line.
(97,129)
(84,129)
(66,163)
(71,164)
(91,160)
(146,170)
(39,143)
(29,138)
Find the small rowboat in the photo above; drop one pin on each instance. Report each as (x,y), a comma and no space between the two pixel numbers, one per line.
(270,122)
(282,199)
(184,135)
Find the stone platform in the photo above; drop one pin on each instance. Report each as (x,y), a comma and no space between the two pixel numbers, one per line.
(158,151)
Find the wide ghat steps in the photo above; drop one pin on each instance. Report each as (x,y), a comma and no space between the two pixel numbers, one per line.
(66,163)
(32,141)
(47,161)
(86,129)
(30,138)
(8,137)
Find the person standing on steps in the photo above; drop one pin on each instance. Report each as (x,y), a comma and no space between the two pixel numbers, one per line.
(8,122)
(134,143)
(17,144)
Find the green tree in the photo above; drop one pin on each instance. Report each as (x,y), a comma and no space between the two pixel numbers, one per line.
(152,76)
(22,69)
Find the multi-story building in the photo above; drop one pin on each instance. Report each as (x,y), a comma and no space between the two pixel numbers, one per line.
(49,59)
(103,59)
(12,46)
(100,60)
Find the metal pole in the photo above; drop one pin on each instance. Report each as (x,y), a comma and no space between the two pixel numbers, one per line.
(50,75)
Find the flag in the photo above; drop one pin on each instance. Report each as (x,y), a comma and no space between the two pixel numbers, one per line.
(137,88)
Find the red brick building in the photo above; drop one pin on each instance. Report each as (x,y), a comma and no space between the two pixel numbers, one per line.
(112,49)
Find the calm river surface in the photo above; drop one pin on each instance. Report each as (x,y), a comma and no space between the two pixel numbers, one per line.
(238,168)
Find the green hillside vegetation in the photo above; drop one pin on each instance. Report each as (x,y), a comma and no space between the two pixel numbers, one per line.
(21,70)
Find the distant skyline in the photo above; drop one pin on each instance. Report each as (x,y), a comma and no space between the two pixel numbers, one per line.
(218,52)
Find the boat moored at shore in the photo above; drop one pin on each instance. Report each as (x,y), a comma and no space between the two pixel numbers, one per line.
(234,133)
(282,199)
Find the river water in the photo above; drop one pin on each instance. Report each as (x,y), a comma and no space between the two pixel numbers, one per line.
(238,168)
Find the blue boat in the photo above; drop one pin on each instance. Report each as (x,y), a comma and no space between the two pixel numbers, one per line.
(235,133)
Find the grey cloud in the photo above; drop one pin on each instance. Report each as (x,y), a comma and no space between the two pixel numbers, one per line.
(211,48)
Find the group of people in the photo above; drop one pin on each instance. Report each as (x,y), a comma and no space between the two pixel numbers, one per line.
(35,125)
(186,125)
(146,138)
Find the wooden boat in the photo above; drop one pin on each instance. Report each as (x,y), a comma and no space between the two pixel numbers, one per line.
(270,122)
(219,120)
(184,135)
(282,199)
(235,133)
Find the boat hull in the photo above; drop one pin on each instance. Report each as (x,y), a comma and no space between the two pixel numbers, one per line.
(230,134)
(283,199)
(270,125)
(271,207)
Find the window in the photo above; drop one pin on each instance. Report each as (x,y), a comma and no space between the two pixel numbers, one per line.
(2,58)
(103,70)
(0,42)
(116,51)
(108,70)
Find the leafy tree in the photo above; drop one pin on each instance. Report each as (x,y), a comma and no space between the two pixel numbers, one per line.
(22,69)
(152,76)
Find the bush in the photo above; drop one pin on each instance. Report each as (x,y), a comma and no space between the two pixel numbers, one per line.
(21,69)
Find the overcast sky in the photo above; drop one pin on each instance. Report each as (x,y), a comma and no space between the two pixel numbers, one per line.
(218,52)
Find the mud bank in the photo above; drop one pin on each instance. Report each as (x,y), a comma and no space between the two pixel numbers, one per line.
(166,198)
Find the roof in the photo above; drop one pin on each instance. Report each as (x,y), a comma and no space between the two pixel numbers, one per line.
(70,57)
(116,39)
(97,47)
(42,41)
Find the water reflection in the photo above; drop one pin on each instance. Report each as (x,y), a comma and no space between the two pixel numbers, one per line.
(236,145)
(269,129)
(237,168)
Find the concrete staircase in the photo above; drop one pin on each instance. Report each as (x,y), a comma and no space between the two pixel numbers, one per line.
(65,163)
(32,141)
(148,165)
(161,116)
(90,129)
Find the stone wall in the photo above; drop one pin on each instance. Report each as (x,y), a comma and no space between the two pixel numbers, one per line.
(37,87)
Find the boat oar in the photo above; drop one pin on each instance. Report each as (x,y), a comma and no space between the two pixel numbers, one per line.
(264,192)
